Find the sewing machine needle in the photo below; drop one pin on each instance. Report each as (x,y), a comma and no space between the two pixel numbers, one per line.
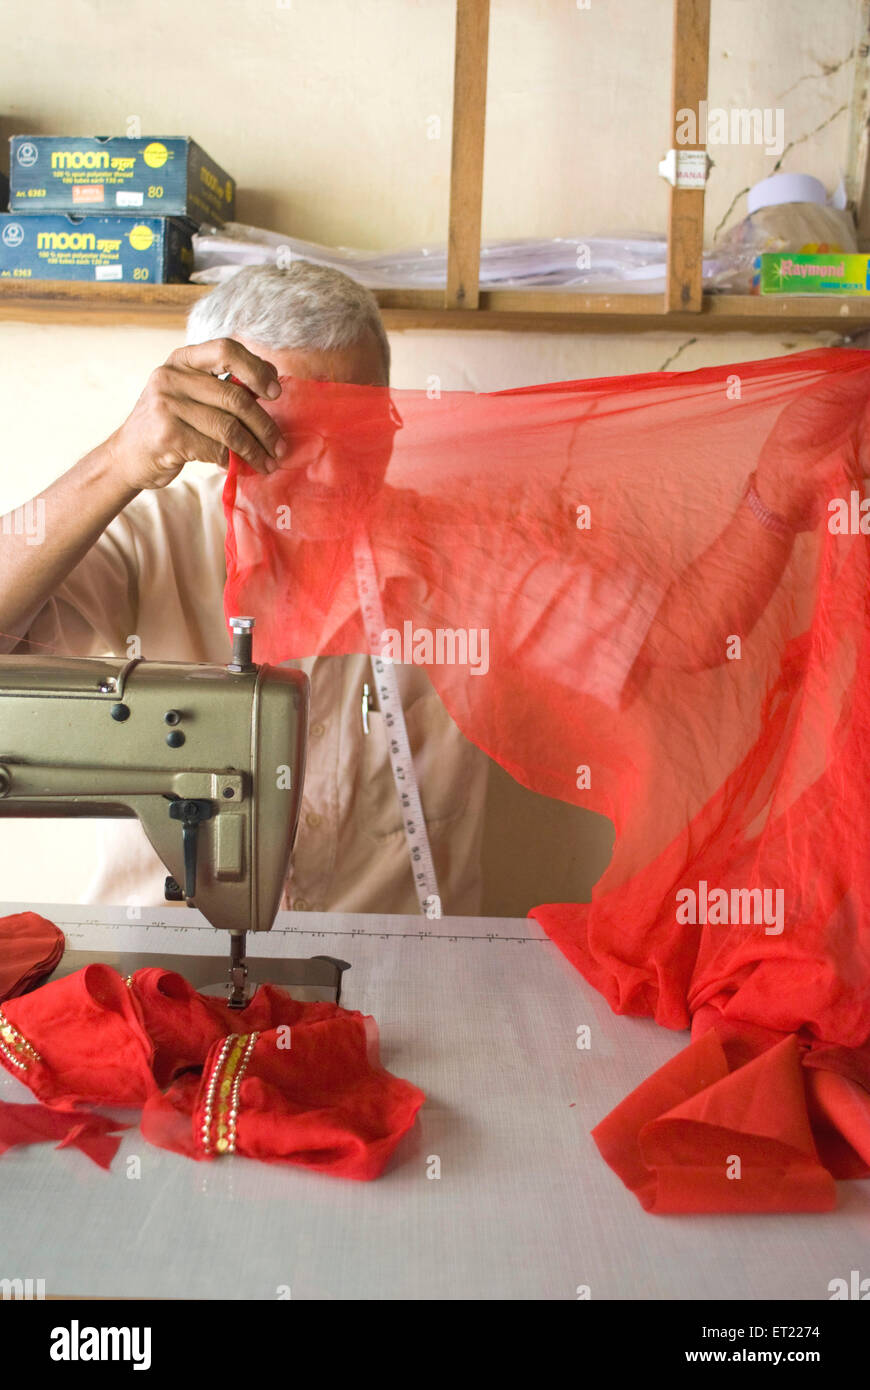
(238,972)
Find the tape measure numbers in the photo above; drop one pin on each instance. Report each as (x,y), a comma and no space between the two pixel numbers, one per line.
(401,758)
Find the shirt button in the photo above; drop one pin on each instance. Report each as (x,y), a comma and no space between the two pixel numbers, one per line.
(313,819)
(317,729)
(300,905)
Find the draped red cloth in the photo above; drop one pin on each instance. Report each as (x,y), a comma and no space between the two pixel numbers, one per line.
(603,610)
(302,1083)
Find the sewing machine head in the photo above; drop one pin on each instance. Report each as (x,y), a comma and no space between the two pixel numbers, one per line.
(211,759)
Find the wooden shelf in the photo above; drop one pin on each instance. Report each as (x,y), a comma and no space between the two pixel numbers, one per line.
(537,311)
(82,301)
(462,304)
(565,311)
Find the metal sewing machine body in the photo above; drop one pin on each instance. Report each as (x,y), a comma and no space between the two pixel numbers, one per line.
(211,759)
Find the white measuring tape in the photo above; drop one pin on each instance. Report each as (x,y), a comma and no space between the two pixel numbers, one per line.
(401,759)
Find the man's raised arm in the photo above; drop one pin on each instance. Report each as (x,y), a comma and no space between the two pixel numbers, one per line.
(184,413)
(726,590)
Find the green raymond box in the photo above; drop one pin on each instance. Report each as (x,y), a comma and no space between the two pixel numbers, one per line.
(837,272)
(63,246)
(165,175)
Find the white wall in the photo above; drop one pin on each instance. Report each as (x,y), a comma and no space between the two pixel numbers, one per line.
(320,108)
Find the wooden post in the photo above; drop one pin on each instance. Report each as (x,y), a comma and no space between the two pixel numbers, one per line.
(686,220)
(466,164)
(858,161)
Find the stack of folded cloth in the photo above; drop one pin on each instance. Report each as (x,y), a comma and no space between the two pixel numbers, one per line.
(30,948)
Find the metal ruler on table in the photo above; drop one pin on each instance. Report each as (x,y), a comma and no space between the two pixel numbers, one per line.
(129,939)
(401,758)
(151,934)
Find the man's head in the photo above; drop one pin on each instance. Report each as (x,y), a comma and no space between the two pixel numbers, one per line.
(308,319)
(311,322)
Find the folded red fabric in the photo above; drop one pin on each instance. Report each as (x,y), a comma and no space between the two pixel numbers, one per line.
(30,947)
(302,1084)
(712,1131)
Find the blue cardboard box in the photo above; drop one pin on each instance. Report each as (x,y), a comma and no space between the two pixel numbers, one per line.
(64,246)
(167,175)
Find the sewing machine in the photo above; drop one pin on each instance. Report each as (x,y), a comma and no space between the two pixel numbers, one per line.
(211,760)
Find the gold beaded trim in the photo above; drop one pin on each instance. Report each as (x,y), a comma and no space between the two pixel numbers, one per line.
(14,1046)
(222,1097)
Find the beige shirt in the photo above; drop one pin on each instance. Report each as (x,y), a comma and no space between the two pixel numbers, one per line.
(157,574)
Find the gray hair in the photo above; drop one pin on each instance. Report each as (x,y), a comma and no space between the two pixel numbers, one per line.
(301,305)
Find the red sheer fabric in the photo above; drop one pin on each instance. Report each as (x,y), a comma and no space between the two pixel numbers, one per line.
(95,1135)
(301,1084)
(607,613)
(30,947)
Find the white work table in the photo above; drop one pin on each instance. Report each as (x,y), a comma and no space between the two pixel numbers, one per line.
(482,1014)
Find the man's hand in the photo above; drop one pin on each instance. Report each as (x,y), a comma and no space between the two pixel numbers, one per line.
(186,413)
(801,464)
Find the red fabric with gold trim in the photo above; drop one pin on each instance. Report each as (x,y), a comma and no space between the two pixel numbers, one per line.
(312,1091)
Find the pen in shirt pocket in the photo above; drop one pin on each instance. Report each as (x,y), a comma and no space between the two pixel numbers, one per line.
(368,703)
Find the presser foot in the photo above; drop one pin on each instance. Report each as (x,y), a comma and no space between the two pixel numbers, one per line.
(316,978)
(239,991)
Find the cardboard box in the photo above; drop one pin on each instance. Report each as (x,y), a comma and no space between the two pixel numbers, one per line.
(64,246)
(165,175)
(839,272)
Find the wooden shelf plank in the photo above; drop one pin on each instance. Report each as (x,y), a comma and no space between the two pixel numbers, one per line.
(545,311)
(82,301)
(642,314)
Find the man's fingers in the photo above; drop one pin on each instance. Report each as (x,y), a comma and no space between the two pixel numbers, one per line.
(194,445)
(224,432)
(229,398)
(237,400)
(226,355)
